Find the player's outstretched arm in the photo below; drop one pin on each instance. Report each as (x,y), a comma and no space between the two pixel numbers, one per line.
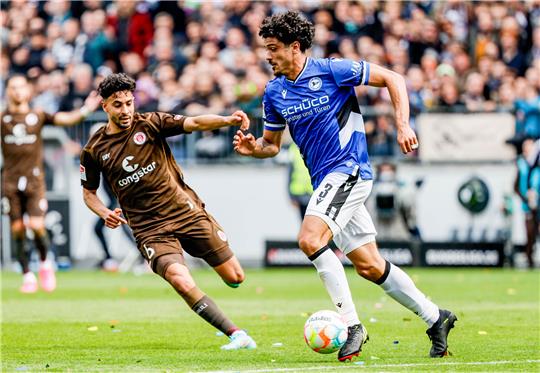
(264,147)
(211,122)
(113,218)
(70,118)
(381,77)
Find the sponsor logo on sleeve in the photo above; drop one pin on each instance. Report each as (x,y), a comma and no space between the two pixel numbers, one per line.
(82,170)
(139,138)
(222,236)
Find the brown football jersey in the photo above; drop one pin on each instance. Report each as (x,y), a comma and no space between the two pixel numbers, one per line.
(22,145)
(139,166)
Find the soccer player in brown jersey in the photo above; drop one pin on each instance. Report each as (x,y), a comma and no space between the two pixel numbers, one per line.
(23,182)
(166,215)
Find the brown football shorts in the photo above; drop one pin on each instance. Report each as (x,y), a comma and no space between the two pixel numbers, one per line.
(202,238)
(16,203)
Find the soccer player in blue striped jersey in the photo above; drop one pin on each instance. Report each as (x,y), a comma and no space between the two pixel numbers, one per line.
(315,98)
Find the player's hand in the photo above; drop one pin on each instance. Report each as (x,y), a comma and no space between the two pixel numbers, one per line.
(93,101)
(114,219)
(244,144)
(407,140)
(239,118)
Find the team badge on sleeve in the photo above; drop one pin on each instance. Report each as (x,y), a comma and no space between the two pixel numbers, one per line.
(139,138)
(82,170)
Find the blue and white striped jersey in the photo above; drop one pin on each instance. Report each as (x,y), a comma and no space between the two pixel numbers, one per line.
(322,112)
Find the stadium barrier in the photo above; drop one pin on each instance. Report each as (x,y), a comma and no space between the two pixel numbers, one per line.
(402,253)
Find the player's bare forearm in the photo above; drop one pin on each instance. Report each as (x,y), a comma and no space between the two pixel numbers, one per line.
(381,77)
(113,219)
(395,83)
(71,118)
(94,203)
(265,149)
(210,122)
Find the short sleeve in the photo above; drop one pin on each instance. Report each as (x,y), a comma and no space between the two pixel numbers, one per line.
(273,121)
(349,72)
(47,118)
(168,124)
(89,170)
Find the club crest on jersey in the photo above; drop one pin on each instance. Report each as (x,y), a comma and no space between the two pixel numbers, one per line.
(31,119)
(7,118)
(177,117)
(139,138)
(315,83)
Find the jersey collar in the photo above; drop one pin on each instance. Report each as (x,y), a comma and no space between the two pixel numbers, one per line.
(301,72)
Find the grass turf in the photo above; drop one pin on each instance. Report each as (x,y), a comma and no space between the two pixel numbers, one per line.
(143,325)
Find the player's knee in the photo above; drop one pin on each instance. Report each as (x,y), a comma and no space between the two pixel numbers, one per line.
(369,271)
(309,243)
(18,232)
(237,277)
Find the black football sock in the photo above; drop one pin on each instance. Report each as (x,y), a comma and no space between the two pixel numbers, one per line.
(209,311)
(41,239)
(22,252)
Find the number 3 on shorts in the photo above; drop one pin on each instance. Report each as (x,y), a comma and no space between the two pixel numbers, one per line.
(149,252)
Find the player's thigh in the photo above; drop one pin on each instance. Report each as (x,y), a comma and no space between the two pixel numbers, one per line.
(206,240)
(337,198)
(155,249)
(36,206)
(359,232)
(12,203)
(314,234)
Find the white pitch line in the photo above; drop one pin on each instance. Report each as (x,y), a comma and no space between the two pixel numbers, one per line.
(360,366)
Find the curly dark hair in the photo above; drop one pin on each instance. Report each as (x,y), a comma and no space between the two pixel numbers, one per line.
(288,27)
(115,83)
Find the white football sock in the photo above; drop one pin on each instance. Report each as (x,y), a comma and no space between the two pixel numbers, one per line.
(332,274)
(399,286)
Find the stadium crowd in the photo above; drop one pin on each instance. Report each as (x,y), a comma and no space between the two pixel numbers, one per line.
(197,57)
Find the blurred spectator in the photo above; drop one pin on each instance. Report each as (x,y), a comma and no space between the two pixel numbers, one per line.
(299,181)
(69,48)
(527,187)
(98,43)
(478,56)
(132,25)
(527,108)
(474,94)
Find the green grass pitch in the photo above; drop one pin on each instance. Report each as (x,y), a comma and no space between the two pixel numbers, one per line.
(140,324)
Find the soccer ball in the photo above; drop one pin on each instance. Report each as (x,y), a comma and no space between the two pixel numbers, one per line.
(325,332)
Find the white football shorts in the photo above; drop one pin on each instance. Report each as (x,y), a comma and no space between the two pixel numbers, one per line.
(339,201)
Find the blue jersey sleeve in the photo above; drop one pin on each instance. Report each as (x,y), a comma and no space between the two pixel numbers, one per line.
(348,72)
(273,121)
